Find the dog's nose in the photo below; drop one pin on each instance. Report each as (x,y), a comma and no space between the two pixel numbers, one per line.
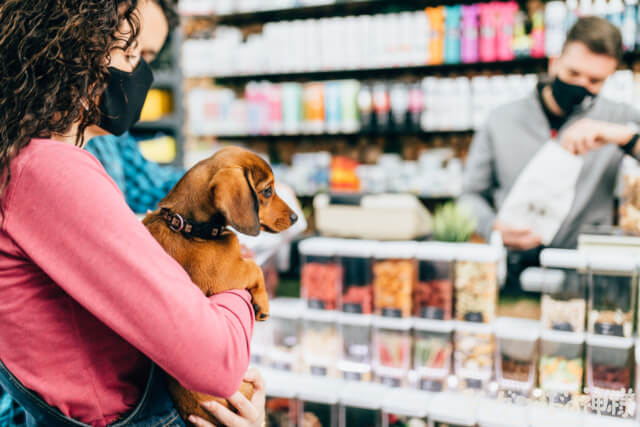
(293,217)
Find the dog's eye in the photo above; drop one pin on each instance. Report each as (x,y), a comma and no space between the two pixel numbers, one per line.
(267,192)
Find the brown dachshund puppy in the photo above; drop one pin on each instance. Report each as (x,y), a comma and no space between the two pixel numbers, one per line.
(234,187)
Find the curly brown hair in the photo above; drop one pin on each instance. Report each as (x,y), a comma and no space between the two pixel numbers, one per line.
(54,67)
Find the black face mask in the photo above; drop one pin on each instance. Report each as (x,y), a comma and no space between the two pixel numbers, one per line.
(569,97)
(124,97)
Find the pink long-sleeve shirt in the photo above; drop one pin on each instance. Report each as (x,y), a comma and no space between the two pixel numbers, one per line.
(87,295)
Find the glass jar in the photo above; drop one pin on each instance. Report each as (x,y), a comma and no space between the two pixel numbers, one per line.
(433,294)
(564,290)
(394,277)
(318,399)
(561,366)
(612,294)
(476,282)
(473,355)
(321,273)
(321,344)
(360,404)
(609,370)
(357,279)
(432,353)
(516,354)
(356,362)
(405,408)
(392,346)
(286,320)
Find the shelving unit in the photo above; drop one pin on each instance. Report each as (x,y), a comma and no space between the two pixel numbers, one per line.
(170,79)
(308,136)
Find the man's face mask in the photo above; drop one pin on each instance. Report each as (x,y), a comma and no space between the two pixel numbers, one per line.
(124,97)
(569,97)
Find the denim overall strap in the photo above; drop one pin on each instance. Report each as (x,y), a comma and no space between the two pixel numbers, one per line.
(155,408)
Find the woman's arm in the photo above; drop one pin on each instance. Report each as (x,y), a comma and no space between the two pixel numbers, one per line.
(70,219)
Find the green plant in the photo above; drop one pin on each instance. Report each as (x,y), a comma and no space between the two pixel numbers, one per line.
(453,223)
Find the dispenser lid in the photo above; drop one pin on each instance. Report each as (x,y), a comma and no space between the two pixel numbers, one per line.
(563,337)
(318,246)
(496,413)
(279,383)
(408,402)
(477,252)
(355,248)
(513,328)
(609,262)
(363,395)
(395,323)
(395,250)
(319,389)
(286,308)
(563,258)
(453,408)
(607,341)
(473,327)
(435,251)
(431,325)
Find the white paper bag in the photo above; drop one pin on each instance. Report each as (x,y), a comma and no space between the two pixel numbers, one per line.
(543,193)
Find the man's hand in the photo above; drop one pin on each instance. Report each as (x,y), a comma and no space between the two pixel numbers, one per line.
(587,134)
(517,238)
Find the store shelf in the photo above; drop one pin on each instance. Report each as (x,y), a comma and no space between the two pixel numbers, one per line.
(169,123)
(522,64)
(288,137)
(436,198)
(343,8)
(166,78)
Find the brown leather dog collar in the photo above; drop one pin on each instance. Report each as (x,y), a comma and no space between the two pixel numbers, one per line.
(203,230)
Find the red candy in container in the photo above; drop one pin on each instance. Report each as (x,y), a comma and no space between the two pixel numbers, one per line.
(357,281)
(321,277)
(433,293)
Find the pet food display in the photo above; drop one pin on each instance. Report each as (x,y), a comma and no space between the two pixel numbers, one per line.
(281,412)
(517,355)
(612,295)
(357,353)
(321,277)
(609,363)
(360,404)
(561,365)
(318,399)
(285,352)
(357,280)
(433,293)
(564,290)
(321,344)
(392,345)
(394,277)
(474,350)
(476,283)
(432,353)
(451,409)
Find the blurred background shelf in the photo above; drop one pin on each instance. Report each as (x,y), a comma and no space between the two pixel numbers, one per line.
(309,136)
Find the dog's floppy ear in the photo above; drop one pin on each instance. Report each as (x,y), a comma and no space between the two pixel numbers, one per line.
(235,198)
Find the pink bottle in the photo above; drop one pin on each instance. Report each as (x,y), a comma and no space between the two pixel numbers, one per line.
(469,43)
(505,14)
(487,44)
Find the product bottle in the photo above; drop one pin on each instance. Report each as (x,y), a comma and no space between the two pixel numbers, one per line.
(629,25)
(381,106)
(615,13)
(537,34)
(600,8)
(487,42)
(504,38)
(586,8)
(399,97)
(332,107)
(436,39)
(521,40)
(452,20)
(572,14)
(416,104)
(365,108)
(554,17)
(349,96)
(469,42)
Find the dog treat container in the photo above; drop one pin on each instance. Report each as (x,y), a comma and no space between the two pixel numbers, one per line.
(281,404)
(630,203)
(516,354)
(356,362)
(394,277)
(261,342)
(613,282)
(360,404)
(473,355)
(318,399)
(564,290)
(321,276)
(406,408)
(476,282)
(432,353)
(450,409)
(357,279)
(392,350)
(286,319)
(433,293)
(321,343)
(609,368)
(561,365)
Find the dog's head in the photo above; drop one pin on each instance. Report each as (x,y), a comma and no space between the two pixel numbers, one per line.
(236,185)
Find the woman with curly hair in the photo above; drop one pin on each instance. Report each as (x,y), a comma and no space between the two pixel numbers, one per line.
(90,304)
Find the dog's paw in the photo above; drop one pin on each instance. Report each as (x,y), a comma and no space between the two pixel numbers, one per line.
(261,315)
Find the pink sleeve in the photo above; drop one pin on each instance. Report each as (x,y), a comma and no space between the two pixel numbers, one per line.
(70,219)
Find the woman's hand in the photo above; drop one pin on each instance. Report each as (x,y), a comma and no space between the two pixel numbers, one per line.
(250,413)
